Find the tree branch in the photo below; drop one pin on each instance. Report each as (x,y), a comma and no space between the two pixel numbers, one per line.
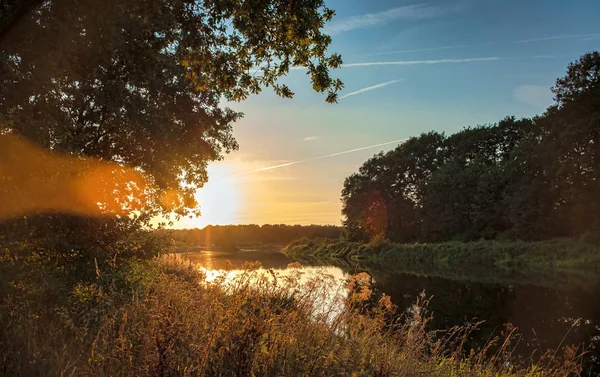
(9,22)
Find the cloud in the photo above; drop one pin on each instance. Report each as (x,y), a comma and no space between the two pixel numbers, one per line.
(416,62)
(583,37)
(534,95)
(413,62)
(420,50)
(555,37)
(597,36)
(311,138)
(369,88)
(321,157)
(546,56)
(408,12)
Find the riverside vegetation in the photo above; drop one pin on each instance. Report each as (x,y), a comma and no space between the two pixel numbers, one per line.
(540,256)
(161,317)
(110,112)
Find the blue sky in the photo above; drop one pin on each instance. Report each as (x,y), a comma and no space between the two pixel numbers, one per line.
(410,67)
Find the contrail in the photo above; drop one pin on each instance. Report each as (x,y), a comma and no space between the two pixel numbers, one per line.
(407,12)
(584,37)
(321,157)
(414,62)
(554,37)
(423,49)
(368,88)
(411,62)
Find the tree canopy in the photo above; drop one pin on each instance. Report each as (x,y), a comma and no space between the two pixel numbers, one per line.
(528,178)
(142,83)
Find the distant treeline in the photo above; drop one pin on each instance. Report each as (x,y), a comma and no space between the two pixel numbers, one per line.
(227,235)
(520,178)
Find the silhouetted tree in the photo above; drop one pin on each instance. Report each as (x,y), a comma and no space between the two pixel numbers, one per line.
(386,195)
(529,178)
(140,83)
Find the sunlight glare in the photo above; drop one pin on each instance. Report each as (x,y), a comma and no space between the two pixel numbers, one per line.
(220,198)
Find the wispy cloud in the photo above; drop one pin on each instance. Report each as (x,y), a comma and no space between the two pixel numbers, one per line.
(554,56)
(369,88)
(408,12)
(596,37)
(555,37)
(311,138)
(321,157)
(441,48)
(582,37)
(415,62)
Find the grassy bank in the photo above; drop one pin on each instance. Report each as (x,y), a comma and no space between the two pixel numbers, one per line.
(162,318)
(517,255)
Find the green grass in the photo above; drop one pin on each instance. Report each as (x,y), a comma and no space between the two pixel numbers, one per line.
(559,254)
(161,318)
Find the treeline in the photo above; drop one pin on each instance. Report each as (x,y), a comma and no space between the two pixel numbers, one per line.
(518,179)
(228,235)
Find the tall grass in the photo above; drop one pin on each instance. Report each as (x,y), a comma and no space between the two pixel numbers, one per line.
(163,319)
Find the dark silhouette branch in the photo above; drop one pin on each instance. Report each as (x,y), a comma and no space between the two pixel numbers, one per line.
(9,22)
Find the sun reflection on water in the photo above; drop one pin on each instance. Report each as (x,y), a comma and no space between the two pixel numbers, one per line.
(324,286)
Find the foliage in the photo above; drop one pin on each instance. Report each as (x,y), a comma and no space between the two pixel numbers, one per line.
(141,82)
(383,197)
(67,250)
(251,235)
(161,318)
(135,87)
(524,179)
(518,256)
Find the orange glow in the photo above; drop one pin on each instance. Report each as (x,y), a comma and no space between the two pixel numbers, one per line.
(232,196)
(376,213)
(33,180)
(170,199)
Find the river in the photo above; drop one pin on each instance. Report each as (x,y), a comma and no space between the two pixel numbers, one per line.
(549,312)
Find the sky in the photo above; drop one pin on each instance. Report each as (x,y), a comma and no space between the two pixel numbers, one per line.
(409,67)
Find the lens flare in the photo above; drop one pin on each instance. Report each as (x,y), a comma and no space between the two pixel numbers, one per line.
(33,180)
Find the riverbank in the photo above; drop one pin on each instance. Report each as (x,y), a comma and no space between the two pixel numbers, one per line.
(541,256)
(161,318)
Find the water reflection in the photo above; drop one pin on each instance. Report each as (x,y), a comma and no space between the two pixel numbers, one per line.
(545,314)
(324,286)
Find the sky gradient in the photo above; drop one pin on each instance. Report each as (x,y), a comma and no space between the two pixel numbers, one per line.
(409,68)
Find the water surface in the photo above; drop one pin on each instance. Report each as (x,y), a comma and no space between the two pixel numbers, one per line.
(548,311)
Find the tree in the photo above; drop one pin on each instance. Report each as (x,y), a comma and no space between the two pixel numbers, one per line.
(581,80)
(467,197)
(436,188)
(571,145)
(556,190)
(386,195)
(141,82)
(528,178)
(137,87)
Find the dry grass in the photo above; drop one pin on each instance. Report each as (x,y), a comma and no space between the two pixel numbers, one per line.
(165,320)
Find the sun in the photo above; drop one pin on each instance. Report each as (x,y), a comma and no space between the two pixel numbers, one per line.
(220,198)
